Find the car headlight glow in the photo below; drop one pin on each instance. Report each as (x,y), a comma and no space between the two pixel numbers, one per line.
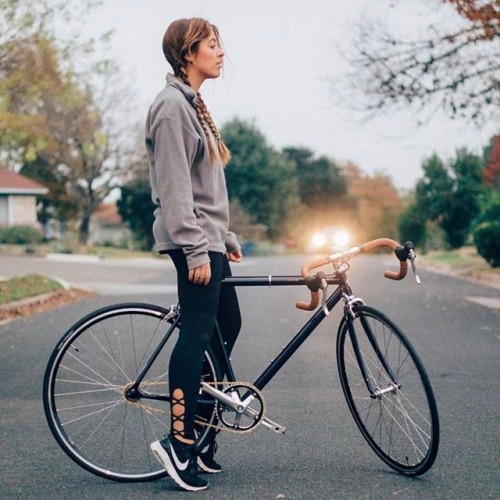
(341,238)
(318,240)
(329,238)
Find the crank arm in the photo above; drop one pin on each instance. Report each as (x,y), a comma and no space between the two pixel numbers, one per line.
(273,426)
(223,398)
(266,422)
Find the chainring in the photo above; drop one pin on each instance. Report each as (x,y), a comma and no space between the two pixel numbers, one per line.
(248,419)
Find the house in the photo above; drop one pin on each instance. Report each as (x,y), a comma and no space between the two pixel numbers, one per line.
(107,227)
(18,199)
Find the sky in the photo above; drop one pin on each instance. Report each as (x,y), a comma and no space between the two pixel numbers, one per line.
(282,59)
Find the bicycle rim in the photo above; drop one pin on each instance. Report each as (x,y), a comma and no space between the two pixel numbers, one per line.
(401,425)
(90,416)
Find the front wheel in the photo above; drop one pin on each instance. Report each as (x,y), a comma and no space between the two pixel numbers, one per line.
(391,400)
(96,411)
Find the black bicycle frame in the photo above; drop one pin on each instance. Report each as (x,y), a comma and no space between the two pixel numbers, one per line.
(292,346)
(134,392)
(287,352)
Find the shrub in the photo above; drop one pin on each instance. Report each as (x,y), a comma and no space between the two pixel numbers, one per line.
(20,235)
(486,231)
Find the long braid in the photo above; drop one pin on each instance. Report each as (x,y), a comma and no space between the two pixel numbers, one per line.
(206,121)
(205,118)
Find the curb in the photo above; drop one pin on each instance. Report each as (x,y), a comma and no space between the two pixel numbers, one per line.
(40,303)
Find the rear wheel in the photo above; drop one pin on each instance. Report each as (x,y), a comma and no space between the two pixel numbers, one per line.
(94,410)
(399,419)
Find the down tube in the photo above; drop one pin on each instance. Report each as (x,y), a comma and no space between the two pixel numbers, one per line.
(297,341)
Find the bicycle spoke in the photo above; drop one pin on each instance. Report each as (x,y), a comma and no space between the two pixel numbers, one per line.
(91,414)
(107,353)
(104,418)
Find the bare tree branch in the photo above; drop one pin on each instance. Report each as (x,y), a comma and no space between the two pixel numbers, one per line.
(457,71)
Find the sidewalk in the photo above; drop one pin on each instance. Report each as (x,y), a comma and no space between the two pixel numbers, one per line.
(124,262)
(486,278)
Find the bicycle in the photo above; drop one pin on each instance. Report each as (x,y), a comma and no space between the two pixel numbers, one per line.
(105,388)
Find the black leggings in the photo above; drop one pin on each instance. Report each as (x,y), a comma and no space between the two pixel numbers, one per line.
(200,306)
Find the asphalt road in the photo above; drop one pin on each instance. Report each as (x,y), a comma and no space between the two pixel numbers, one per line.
(322,455)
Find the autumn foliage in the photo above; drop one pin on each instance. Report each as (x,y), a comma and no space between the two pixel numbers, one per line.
(377,204)
(492,170)
(484,18)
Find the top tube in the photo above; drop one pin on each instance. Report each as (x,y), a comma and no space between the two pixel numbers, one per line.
(286,280)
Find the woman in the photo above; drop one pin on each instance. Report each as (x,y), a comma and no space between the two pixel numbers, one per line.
(187,158)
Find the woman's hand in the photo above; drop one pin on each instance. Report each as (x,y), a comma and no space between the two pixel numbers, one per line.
(200,275)
(235,256)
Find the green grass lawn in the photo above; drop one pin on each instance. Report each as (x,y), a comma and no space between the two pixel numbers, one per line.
(465,258)
(22,287)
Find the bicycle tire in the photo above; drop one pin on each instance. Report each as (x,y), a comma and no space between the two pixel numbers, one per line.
(83,391)
(401,425)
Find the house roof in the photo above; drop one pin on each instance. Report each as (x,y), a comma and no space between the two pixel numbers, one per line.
(12,183)
(107,213)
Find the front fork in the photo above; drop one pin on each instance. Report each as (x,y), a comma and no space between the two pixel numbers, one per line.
(350,314)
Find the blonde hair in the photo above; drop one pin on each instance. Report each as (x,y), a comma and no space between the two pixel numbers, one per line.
(181,39)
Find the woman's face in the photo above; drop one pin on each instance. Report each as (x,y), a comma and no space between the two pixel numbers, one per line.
(207,61)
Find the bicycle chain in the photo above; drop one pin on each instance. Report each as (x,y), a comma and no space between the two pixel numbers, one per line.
(145,407)
(227,385)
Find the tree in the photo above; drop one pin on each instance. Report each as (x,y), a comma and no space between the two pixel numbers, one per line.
(33,86)
(260,178)
(35,62)
(487,229)
(377,204)
(65,120)
(450,194)
(492,157)
(467,170)
(457,69)
(321,182)
(97,147)
(57,203)
(435,190)
(137,209)
(135,204)
(58,123)
(411,225)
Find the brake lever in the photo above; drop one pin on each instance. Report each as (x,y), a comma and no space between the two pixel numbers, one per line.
(324,287)
(412,257)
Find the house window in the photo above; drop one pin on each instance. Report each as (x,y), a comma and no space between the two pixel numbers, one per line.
(4,211)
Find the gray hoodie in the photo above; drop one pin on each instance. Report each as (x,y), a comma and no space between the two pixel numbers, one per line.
(189,191)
